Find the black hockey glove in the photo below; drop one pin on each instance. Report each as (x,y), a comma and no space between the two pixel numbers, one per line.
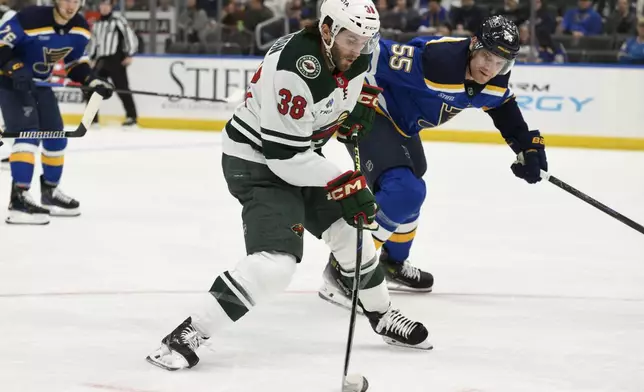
(357,202)
(531,156)
(1,132)
(360,121)
(100,86)
(20,74)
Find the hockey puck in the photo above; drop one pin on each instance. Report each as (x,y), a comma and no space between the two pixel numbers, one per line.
(355,383)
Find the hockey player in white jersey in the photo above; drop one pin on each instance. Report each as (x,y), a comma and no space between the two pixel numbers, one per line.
(305,89)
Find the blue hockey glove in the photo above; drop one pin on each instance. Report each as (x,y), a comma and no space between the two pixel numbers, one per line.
(360,121)
(531,157)
(102,87)
(20,74)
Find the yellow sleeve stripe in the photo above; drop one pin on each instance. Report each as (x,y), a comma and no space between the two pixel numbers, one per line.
(486,108)
(40,31)
(445,39)
(380,111)
(494,90)
(81,31)
(446,88)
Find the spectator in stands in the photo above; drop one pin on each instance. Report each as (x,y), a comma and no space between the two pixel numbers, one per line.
(293,11)
(193,23)
(582,21)
(546,19)
(382,6)
(526,52)
(435,17)
(395,18)
(298,14)
(632,51)
(549,51)
(255,13)
(135,5)
(467,19)
(165,6)
(210,6)
(600,6)
(623,20)
(513,12)
(233,15)
(546,51)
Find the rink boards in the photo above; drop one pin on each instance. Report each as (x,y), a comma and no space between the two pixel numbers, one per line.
(574,106)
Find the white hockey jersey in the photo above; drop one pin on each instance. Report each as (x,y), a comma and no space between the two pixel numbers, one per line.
(293,105)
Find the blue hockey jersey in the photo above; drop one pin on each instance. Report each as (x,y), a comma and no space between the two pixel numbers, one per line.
(33,37)
(424,86)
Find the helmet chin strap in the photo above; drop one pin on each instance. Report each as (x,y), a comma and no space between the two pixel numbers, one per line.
(327,47)
(327,52)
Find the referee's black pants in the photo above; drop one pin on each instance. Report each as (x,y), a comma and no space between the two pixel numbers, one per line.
(111,67)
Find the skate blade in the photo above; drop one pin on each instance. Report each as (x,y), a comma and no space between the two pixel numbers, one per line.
(401,288)
(22,218)
(164,352)
(336,298)
(62,212)
(160,364)
(425,345)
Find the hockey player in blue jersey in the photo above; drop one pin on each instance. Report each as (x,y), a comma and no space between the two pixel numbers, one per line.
(425,83)
(31,43)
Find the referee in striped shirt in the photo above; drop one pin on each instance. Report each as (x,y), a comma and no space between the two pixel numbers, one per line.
(111,48)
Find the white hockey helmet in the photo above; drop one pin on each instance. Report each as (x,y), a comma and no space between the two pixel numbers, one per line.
(358,16)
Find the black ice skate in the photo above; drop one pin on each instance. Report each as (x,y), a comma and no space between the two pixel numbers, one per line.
(129,122)
(404,276)
(23,210)
(336,288)
(58,203)
(177,350)
(398,330)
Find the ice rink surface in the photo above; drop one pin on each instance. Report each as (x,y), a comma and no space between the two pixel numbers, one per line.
(535,290)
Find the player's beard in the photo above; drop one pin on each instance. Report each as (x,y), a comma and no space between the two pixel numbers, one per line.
(342,62)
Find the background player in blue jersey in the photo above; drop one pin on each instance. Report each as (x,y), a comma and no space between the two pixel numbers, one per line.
(425,83)
(31,43)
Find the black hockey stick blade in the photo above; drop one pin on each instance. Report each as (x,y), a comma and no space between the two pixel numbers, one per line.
(602,207)
(88,116)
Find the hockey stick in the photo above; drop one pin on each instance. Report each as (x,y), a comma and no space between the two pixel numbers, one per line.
(138,92)
(90,111)
(581,195)
(348,385)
